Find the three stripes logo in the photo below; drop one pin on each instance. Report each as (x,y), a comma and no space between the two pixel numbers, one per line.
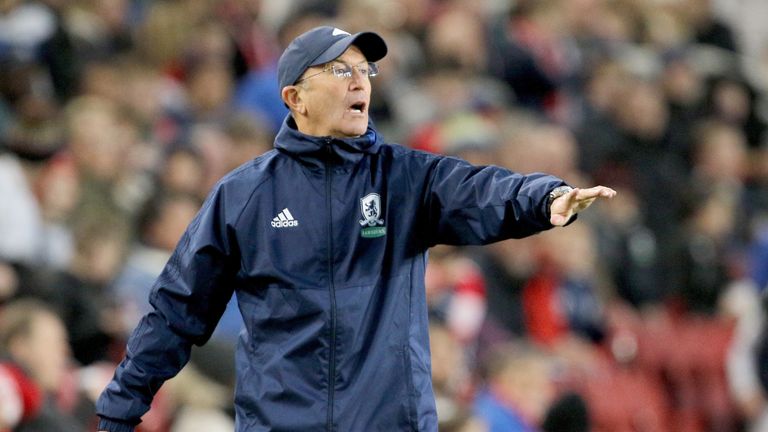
(284,219)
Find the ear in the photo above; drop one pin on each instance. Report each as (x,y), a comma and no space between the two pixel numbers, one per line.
(292,97)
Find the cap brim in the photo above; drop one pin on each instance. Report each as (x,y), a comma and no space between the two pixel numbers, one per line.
(370,44)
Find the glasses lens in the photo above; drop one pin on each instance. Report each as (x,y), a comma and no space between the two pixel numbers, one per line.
(345,71)
(341,71)
(373,69)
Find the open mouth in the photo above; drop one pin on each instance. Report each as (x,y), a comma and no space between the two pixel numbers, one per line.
(357,107)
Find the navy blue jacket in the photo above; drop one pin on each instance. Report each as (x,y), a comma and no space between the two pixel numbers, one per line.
(324,241)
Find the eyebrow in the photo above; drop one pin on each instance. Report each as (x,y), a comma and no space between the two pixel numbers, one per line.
(347,63)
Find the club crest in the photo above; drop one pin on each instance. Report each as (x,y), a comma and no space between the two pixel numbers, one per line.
(372,223)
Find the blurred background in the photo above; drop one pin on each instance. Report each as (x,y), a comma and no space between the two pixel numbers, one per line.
(118,116)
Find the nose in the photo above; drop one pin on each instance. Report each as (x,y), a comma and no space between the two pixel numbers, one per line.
(358,79)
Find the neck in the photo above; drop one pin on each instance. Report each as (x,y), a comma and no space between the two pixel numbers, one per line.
(302,125)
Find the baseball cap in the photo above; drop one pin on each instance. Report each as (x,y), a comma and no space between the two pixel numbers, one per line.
(321,45)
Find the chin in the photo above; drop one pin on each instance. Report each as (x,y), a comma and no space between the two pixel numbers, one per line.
(355,130)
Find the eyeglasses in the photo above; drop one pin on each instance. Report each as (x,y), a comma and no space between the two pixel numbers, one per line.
(344,71)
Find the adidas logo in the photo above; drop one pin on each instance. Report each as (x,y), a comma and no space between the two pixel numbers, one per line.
(284,219)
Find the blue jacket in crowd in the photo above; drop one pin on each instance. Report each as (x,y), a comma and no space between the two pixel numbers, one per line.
(324,241)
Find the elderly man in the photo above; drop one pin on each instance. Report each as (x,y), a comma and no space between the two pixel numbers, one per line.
(324,240)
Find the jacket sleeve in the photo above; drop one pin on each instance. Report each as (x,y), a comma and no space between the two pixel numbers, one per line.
(188,299)
(467,204)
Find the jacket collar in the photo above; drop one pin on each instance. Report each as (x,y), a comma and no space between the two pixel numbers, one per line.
(289,139)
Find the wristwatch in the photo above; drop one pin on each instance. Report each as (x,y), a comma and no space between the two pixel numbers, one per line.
(557,193)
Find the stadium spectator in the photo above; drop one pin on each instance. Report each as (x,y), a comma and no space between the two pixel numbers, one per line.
(34,343)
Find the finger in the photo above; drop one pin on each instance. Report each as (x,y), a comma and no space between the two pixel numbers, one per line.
(607,192)
(596,191)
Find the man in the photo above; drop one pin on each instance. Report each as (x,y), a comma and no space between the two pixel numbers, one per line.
(34,357)
(324,240)
(518,389)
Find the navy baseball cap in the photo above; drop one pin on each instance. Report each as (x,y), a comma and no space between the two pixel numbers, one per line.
(321,45)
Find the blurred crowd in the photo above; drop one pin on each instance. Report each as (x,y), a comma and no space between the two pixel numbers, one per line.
(118,116)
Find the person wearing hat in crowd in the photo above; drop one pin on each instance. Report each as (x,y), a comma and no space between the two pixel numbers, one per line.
(324,241)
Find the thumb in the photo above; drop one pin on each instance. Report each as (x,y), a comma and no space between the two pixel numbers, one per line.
(558,219)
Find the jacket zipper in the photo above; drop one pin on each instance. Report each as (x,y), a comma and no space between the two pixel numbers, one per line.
(332,356)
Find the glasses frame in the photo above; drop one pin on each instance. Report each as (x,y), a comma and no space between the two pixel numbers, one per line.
(342,70)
